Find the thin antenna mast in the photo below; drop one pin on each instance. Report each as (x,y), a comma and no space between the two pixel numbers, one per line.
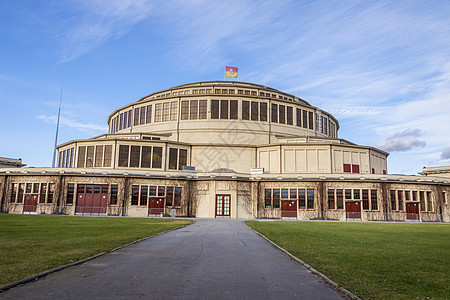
(57,125)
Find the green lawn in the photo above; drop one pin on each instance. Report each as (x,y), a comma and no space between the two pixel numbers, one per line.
(32,244)
(372,260)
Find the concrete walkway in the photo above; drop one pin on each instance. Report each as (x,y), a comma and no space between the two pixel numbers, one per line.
(211,259)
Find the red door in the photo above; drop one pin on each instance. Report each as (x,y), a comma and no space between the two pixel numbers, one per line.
(353,210)
(289,209)
(88,199)
(30,204)
(223,206)
(412,211)
(156,206)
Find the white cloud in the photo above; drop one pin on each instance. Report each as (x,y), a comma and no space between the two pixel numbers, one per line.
(74,124)
(446,153)
(402,141)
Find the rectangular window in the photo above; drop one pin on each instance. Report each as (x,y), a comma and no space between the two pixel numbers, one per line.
(193,114)
(173,157)
(284,193)
(414,195)
(13,192)
(136,117)
(347,168)
(177,198)
(245,110)
(321,124)
(158,112)
(90,157)
(51,191)
(310,119)
(356,194)
(123,155)
(144,196)
(43,193)
(281,114)
(81,156)
(400,200)
(267,198)
(224,109)
(293,194)
(429,201)
(298,113)
(325,128)
(365,199)
(331,199)
(169,196)
(289,116)
(276,198)
(214,109)
(233,109)
(134,195)
(422,200)
(355,168)
(254,111)
(157,157)
(152,191)
(166,112)
(161,191)
(393,201)
(35,188)
(202,109)
(146,156)
(98,156)
(174,110)
(274,113)
(348,194)
(21,193)
(114,194)
(373,199)
(121,122)
(149,114)
(125,120)
(134,157)
(70,192)
(339,199)
(263,112)
(301,198)
(305,119)
(107,156)
(184,110)
(182,160)
(310,195)
(28,188)
(72,150)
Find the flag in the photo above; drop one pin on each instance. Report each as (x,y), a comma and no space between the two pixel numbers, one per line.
(231,71)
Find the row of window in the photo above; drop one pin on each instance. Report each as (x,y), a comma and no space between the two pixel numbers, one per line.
(65,159)
(225,109)
(140,157)
(398,197)
(223,91)
(140,194)
(20,190)
(305,197)
(336,198)
(94,156)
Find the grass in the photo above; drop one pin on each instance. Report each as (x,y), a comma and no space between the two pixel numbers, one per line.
(372,260)
(32,244)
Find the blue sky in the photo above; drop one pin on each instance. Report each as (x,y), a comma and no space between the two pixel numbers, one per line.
(381,67)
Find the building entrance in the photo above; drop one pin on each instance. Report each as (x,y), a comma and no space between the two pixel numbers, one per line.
(353,210)
(92,199)
(223,206)
(289,209)
(30,204)
(412,212)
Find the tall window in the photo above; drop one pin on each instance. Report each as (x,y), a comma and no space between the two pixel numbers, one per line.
(276,198)
(214,109)
(194,109)
(13,192)
(374,199)
(245,110)
(70,192)
(98,156)
(43,193)
(233,109)
(301,198)
(365,199)
(144,195)
(310,118)
(90,157)
(298,113)
(182,161)
(310,195)
(114,194)
(305,119)
(173,154)
(267,198)
(121,122)
(125,120)
(429,202)
(202,109)
(274,113)
(254,111)
(224,109)
(289,116)
(149,114)
(166,111)
(157,157)
(81,156)
(331,200)
(177,198)
(51,191)
(393,201)
(107,156)
(281,114)
(173,110)
(184,110)
(263,111)
(134,195)
(123,155)
(158,111)
(136,116)
(169,196)
(339,199)
(134,157)
(146,156)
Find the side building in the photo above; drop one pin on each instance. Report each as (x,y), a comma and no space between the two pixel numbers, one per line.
(224,149)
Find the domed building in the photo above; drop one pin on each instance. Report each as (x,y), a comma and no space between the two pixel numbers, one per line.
(224,149)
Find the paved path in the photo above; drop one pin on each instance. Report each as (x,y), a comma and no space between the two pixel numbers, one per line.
(211,259)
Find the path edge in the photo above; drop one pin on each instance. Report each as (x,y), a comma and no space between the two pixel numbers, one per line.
(79,262)
(324,277)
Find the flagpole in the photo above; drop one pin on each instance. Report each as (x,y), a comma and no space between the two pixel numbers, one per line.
(57,125)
